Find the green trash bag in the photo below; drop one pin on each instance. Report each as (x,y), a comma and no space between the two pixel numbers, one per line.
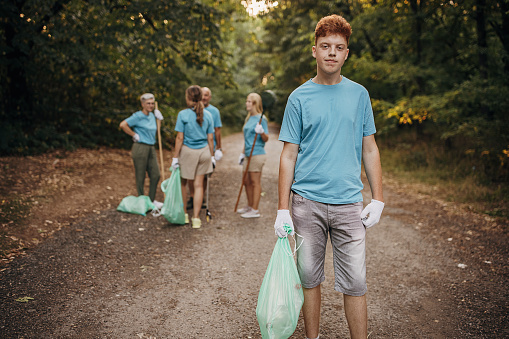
(137,205)
(281,297)
(173,207)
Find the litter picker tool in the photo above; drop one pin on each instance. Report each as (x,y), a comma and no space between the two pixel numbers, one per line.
(208,214)
(247,167)
(160,144)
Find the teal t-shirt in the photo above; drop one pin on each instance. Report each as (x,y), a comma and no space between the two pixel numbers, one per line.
(144,125)
(249,135)
(216,117)
(328,123)
(195,136)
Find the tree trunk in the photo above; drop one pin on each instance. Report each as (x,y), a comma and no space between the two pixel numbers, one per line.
(482,44)
(503,34)
(416,6)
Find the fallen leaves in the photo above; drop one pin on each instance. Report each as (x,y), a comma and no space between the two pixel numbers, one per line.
(24,299)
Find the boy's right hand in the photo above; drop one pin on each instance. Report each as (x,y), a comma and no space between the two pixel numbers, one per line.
(283,217)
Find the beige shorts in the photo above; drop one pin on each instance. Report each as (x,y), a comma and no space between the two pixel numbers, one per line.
(256,164)
(194,162)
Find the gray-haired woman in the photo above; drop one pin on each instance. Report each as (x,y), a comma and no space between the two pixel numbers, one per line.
(142,127)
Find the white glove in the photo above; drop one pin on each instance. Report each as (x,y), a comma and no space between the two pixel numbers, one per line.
(175,163)
(374,210)
(136,137)
(158,115)
(241,158)
(283,218)
(259,129)
(213,162)
(218,154)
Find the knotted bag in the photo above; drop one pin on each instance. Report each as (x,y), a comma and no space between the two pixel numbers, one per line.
(137,205)
(173,207)
(281,297)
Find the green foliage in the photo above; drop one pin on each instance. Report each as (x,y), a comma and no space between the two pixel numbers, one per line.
(247,64)
(436,72)
(73,70)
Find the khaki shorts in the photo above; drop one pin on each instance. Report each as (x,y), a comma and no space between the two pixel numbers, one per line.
(256,164)
(194,162)
(315,222)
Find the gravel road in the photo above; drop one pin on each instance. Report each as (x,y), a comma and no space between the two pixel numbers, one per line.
(433,272)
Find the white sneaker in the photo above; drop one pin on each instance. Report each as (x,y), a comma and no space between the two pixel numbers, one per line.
(158,204)
(251,214)
(244,210)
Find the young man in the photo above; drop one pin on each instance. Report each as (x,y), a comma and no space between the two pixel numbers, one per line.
(328,129)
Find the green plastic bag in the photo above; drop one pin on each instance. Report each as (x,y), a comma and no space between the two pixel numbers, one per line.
(136,205)
(173,207)
(281,297)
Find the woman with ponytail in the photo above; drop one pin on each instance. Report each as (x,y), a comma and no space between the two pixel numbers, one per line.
(194,148)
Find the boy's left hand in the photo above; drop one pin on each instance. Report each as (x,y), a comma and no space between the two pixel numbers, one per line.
(371,214)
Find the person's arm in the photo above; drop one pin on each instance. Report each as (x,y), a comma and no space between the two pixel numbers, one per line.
(178,144)
(265,137)
(260,129)
(210,140)
(286,174)
(217,131)
(371,214)
(284,223)
(373,166)
(125,127)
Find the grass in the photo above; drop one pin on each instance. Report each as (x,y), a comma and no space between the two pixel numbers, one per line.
(447,178)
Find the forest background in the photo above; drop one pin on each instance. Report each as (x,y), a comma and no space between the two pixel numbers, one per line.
(437,73)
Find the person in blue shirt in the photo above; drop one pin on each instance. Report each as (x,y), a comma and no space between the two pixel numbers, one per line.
(252,128)
(218,152)
(216,116)
(328,130)
(194,148)
(142,127)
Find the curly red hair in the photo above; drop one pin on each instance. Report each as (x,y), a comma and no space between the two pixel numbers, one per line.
(333,24)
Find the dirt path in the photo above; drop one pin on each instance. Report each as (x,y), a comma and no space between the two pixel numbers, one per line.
(113,275)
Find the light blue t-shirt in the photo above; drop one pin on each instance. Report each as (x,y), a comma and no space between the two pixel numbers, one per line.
(144,125)
(328,123)
(249,135)
(195,136)
(216,117)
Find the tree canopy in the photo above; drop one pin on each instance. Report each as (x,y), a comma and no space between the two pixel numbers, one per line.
(436,69)
(71,70)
